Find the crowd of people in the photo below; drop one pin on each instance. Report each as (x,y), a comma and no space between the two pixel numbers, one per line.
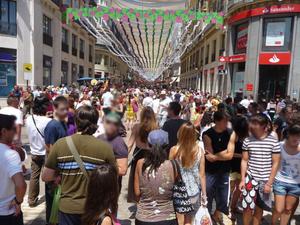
(231,155)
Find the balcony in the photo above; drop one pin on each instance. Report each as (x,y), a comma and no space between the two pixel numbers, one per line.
(90,58)
(47,39)
(74,51)
(65,47)
(8,28)
(81,54)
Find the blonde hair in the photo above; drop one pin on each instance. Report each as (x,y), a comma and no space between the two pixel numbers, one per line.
(187,141)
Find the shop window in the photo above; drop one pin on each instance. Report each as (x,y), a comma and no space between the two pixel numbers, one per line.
(46,25)
(277,34)
(241,38)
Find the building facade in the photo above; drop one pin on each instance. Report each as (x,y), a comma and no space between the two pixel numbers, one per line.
(201,68)
(37,49)
(263,48)
(109,66)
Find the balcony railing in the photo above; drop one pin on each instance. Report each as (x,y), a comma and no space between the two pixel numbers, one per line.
(65,47)
(81,54)
(47,39)
(74,51)
(8,28)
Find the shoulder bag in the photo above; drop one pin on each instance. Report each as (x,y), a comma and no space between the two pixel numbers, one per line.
(181,200)
(76,156)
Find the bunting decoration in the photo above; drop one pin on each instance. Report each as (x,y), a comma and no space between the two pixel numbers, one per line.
(148,40)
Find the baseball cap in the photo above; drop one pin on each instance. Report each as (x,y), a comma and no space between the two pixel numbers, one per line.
(113,117)
(158,137)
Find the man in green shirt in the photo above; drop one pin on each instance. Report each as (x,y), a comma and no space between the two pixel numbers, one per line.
(61,165)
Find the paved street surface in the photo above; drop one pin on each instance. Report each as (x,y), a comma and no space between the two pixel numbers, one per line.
(35,216)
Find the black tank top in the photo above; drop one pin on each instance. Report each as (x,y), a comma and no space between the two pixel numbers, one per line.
(219,143)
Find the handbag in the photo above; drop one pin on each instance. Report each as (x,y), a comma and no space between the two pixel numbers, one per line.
(55,206)
(76,156)
(181,200)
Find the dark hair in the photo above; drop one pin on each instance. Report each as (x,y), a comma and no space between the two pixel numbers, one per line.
(6,122)
(102,193)
(147,124)
(293,129)
(154,158)
(206,119)
(241,127)
(60,100)
(240,109)
(86,119)
(11,99)
(261,119)
(228,100)
(221,115)
(175,107)
(40,105)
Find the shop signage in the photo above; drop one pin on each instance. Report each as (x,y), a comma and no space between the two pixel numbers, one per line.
(249,87)
(223,59)
(27,67)
(237,58)
(275,34)
(274,9)
(242,37)
(275,58)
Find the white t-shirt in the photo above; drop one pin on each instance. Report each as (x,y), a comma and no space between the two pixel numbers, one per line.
(12,111)
(107,98)
(148,102)
(155,105)
(10,164)
(36,141)
(163,105)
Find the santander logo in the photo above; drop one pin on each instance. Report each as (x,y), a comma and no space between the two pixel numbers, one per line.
(274,59)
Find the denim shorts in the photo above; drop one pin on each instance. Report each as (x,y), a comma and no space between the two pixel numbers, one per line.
(282,188)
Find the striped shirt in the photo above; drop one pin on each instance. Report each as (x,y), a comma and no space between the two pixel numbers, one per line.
(260,156)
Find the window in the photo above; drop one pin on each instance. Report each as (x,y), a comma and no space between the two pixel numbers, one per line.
(81,45)
(214,49)
(98,59)
(64,36)
(8,17)
(241,38)
(207,54)
(75,3)
(277,34)
(74,41)
(90,53)
(47,25)
(222,45)
(106,59)
(81,71)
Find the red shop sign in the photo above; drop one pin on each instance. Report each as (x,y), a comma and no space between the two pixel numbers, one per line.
(237,58)
(274,9)
(249,87)
(275,58)
(223,59)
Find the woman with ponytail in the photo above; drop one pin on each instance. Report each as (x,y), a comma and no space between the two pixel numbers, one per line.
(72,160)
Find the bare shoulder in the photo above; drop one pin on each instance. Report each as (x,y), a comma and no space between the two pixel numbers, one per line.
(107,221)
(173,152)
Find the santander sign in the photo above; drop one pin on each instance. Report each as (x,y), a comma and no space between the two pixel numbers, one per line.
(275,58)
